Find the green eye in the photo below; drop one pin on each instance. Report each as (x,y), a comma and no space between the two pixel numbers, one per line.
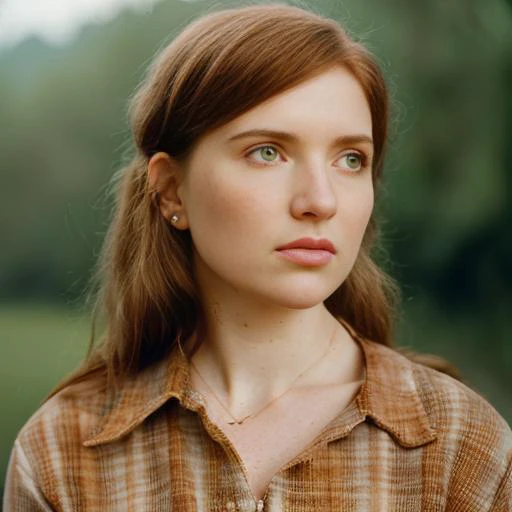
(267,153)
(353,161)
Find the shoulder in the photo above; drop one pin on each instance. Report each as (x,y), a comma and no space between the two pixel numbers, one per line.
(454,407)
(473,439)
(468,453)
(48,447)
(59,425)
(473,444)
(449,403)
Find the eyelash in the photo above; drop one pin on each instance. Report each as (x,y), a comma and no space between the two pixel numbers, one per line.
(362,156)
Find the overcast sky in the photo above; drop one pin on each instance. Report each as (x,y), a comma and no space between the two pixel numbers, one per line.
(57,21)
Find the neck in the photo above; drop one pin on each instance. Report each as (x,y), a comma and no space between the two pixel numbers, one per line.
(252,354)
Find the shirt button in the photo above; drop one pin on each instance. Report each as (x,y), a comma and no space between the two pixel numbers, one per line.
(255,506)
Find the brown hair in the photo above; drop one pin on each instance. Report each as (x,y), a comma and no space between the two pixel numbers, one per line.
(219,67)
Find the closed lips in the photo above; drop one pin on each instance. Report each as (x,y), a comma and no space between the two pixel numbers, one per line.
(310,243)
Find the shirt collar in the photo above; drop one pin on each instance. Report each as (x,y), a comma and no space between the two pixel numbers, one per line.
(140,396)
(389,396)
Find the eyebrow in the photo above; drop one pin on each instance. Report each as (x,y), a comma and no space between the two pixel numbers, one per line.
(290,137)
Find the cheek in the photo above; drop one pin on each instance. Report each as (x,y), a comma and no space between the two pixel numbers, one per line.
(219,207)
(358,207)
(367,207)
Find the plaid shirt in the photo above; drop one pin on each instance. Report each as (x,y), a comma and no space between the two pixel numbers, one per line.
(412,439)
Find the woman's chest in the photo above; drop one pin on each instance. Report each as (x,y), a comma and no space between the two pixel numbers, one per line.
(178,465)
(280,434)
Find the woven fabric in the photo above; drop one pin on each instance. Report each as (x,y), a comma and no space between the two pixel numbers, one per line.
(413,439)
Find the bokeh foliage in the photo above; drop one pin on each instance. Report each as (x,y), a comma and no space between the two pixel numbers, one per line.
(446,204)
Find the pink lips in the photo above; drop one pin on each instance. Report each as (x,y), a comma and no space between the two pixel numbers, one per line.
(308,251)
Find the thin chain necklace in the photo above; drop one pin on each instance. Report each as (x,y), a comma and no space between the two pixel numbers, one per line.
(238,421)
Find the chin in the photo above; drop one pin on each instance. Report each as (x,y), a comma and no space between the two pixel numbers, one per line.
(301,297)
(302,304)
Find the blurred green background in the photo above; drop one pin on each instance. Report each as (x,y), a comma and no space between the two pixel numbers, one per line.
(446,204)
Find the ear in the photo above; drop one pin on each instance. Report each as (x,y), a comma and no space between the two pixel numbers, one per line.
(165,177)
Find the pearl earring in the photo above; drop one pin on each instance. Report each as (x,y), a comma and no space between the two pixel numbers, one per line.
(174,218)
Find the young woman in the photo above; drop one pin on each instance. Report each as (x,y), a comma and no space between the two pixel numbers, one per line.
(245,363)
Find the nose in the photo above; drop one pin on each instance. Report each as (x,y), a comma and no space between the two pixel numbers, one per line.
(314,196)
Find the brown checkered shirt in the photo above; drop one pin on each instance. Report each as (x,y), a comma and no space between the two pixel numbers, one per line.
(413,439)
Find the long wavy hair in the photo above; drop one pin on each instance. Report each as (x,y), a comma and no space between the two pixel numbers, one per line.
(219,66)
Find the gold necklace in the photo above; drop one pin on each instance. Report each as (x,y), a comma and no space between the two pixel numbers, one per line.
(237,421)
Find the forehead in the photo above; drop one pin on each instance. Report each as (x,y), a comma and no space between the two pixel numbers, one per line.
(332,102)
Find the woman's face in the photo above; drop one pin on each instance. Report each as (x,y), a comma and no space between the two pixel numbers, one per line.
(296,166)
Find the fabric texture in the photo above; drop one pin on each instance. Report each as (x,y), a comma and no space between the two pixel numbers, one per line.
(413,439)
